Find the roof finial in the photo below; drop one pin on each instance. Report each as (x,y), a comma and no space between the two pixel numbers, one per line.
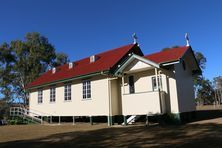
(187,39)
(134,38)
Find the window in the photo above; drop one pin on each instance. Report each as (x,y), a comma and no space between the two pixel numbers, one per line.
(131,85)
(52,94)
(86,87)
(67,92)
(155,84)
(40,96)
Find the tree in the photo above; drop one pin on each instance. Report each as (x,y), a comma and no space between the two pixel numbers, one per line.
(61,59)
(32,56)
(167,48)
(7,60)
(201,60)
(205,93)
(217,81)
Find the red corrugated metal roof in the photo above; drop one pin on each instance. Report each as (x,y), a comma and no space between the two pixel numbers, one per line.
(169,55)
(105,61)
(82,67)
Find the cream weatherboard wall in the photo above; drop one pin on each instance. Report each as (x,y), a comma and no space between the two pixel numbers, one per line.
(98,105)
(145,100)
(141,103)
(185,88)
(180,91)
(171,91)
(142,81)
(116,96)
(176,83)
(137,66)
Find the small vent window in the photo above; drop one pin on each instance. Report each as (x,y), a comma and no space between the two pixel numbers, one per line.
(71,65)
(93,58)
(53,70)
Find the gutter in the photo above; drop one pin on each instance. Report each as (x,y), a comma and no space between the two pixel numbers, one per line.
(170,63)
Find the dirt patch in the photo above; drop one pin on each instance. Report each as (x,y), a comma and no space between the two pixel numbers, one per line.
(27,132)
(209,107)
(198,134)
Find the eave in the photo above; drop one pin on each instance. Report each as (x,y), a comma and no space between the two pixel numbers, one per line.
(105,72)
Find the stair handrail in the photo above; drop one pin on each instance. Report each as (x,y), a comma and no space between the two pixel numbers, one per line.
(39,112)
(131,118)
(20,111)
(32,111)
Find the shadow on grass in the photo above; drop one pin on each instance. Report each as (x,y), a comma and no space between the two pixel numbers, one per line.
(190,135)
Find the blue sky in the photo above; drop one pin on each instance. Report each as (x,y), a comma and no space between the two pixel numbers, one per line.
(85,27)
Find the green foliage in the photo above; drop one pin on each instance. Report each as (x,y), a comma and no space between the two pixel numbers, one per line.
(205,92)
(168,48)
(4,109)
(201,60)
(61,58)
(217,82)
(34,55)
(18,121)
(22,61)
(7,59)
(203,87)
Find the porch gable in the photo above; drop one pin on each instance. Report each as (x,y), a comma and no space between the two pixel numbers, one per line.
(136,63)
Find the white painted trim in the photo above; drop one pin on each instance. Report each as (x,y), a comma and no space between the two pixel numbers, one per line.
(156,75)
(110,97)
(171,63)
(133,57)
(146,61)
(138,70)
(123,85)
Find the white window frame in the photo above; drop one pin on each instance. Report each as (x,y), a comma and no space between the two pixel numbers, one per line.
(40,96)
(86,90)
(154,83)
(52,94)
(68,92)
